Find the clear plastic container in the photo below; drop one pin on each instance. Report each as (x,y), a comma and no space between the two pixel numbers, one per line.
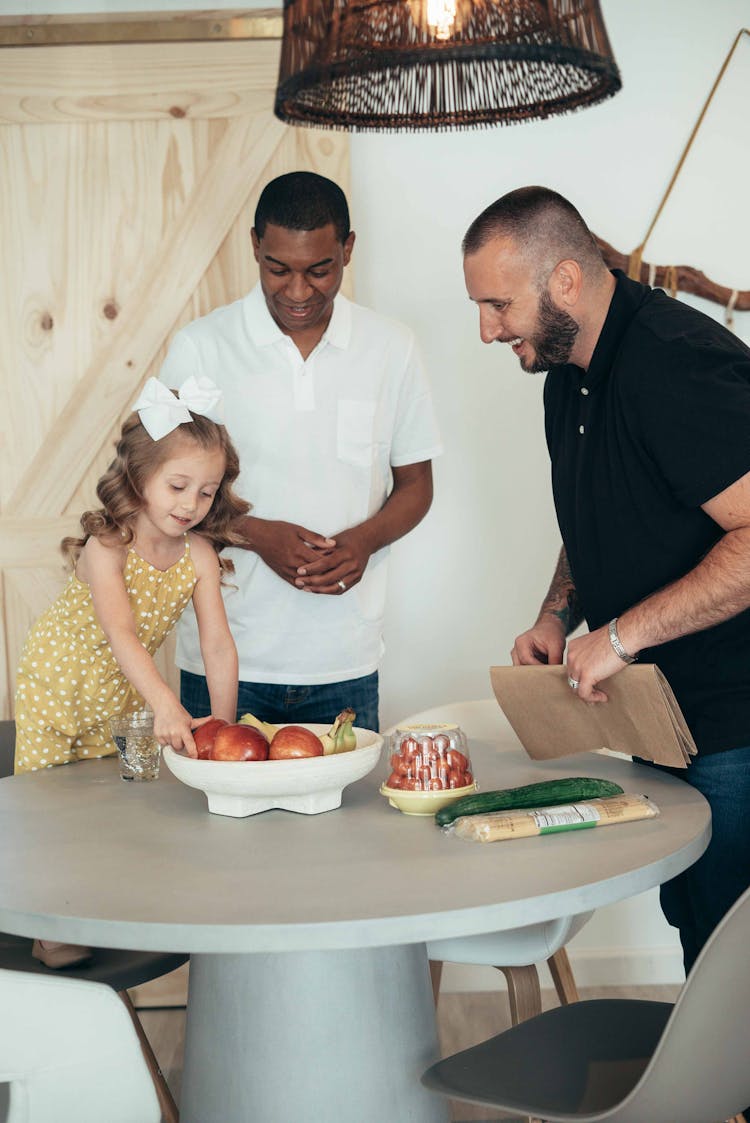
(430,767)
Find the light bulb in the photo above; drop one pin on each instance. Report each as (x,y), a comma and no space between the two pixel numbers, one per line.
(438,17)
(441,17)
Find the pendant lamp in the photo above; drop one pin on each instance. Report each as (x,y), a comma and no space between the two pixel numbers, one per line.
(440,64)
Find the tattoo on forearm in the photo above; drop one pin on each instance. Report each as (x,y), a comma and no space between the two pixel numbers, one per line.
(562,599)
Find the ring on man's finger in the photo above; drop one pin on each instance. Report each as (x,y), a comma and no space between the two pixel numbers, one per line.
(342,586)
(573,683)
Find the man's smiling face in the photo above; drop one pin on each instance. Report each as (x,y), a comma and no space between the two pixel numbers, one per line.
(513,309)
(300,274)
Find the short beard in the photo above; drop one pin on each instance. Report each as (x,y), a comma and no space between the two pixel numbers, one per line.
(553,339)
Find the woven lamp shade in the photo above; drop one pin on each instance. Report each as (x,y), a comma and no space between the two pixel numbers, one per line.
(394,64)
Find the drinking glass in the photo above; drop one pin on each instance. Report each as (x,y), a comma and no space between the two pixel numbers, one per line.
(137,748)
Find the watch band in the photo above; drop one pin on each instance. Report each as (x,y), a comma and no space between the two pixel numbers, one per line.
(614,639)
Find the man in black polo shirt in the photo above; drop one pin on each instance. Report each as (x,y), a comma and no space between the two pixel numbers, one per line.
(647,416)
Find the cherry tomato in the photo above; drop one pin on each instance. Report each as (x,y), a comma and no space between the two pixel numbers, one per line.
(409,746)
(455,759)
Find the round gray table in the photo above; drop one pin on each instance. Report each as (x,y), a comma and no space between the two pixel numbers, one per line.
(309,993)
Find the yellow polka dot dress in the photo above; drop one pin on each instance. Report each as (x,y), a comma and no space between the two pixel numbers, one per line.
(69,683)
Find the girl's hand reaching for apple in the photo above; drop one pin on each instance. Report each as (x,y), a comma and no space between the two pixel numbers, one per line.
(172,726)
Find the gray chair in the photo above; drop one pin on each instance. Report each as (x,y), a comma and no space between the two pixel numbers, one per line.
(118,969)
(625,1060)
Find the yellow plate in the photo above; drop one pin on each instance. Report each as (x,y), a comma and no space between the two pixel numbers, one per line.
(423,803)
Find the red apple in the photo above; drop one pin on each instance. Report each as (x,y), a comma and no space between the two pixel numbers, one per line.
(294,741)
(204,736)
(239,742)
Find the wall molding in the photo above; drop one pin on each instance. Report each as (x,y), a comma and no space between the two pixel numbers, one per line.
(139,27)
(592,967)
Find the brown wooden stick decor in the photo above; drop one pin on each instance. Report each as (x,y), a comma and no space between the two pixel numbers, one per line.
(681,278)
(688,279)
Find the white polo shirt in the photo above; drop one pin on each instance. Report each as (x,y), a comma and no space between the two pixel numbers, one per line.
(316,441)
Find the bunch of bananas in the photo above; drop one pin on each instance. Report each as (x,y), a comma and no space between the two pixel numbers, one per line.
(340,738)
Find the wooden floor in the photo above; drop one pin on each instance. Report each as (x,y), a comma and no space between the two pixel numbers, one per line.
(463,1020)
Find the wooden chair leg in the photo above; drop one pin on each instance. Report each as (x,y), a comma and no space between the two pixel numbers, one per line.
(436,972)
(523,992)
(562,977)
(525,998)
(166,1101)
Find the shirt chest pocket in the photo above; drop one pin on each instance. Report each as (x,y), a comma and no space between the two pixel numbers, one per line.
(355,432)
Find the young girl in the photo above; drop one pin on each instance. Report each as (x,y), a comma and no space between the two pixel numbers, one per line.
(168,508)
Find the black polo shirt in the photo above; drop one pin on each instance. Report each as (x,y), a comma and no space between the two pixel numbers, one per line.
(659,424)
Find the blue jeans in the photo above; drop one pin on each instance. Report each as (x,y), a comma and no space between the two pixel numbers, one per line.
(285,705)
(697,899)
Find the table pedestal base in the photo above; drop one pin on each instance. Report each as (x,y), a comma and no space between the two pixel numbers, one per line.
(324,1037)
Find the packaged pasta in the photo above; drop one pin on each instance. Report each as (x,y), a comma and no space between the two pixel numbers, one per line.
(497,826)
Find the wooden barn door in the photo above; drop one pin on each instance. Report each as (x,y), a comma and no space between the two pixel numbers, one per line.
(129,174)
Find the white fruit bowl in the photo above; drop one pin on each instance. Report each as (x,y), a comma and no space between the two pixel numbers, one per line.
(309,785)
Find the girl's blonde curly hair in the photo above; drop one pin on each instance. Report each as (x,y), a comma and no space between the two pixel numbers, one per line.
(138,456)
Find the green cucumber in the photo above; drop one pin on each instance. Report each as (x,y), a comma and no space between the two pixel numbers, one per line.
(545,793)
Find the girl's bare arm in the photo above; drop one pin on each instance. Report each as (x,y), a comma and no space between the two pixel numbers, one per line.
(217,646)
(102,568)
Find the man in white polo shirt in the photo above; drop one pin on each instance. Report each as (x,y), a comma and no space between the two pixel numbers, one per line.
(329,407)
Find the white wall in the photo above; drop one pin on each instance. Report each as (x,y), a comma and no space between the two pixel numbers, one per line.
(473,574)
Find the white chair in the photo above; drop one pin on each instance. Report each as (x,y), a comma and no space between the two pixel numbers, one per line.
(69,1053)
(516,952)
(120,969)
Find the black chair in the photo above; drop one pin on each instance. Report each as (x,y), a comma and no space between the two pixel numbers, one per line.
(625,1060)
(117,968)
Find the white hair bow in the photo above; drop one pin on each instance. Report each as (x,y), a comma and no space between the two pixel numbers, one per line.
(161,412)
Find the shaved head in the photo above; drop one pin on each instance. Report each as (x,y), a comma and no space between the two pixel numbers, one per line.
(545,229)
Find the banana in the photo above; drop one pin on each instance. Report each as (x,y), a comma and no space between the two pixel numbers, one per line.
(340,738)
(267,729)
(328,743)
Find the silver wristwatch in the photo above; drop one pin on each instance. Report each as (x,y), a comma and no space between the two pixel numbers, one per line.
(614,639)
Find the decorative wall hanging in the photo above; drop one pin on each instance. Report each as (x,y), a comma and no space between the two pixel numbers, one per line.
(682,278)
(440,64)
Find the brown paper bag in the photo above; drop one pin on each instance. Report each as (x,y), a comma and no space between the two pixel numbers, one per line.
(641,718)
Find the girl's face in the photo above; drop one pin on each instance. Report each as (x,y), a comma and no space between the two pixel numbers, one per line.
(180,492)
